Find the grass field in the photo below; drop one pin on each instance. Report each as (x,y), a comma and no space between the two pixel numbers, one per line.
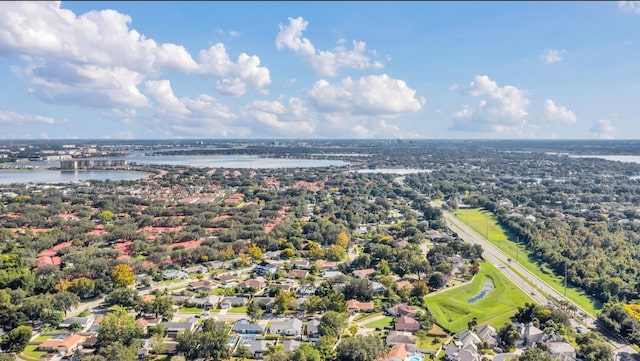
(482,220)
(430,343)
(364,316)
(31,353)
(451,309)
(238,310)
(191,309)
(381,323)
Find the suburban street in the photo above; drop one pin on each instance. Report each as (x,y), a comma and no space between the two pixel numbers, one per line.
(500,260)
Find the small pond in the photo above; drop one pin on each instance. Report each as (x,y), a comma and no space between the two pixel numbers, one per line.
(488,286)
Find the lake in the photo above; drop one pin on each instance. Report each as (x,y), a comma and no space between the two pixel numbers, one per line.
(36,172)
(400,171)
(55,176)
(619,158)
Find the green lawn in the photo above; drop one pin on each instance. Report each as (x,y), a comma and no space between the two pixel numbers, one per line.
(381,323)
(481,220)
(238,310)
(191,310)
(41,338)
(30,353)
(453,311)
(364,316)
(430,343)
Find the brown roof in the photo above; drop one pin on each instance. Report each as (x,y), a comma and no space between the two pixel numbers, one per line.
(399,351)
(64,344)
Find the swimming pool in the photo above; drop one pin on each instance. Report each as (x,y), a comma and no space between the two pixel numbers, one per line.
(415,358)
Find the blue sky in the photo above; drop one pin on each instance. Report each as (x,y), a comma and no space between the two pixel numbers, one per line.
(145,70)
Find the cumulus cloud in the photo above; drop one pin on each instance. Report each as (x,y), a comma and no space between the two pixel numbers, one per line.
(551,113)
(96,59)
(12,118)
(201,116)
(501,110)
(275,118)
(630,6)
(603,129)
(550,56)
(324,62)
(378,95)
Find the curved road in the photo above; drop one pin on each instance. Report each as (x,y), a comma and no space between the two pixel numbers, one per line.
(500,259)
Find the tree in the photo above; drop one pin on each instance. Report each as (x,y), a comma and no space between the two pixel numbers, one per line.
(118,351)
(359,289)
(437,281)
(306,352)
(160,305)
(17,339)
(63,301)
(283,301)
(122,276)
(118,326)
(210,343)
(314,304)
(124,297)
(592,347)
(255,252)
(360,348)
(6,357)
(332,323)
(342,240)
(535,354)
(106,216)
(253,310)
(508,335)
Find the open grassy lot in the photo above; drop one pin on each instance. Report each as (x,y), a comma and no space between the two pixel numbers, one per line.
(481,220)
(430,343)
(453,311)
(381,323)
(364,316)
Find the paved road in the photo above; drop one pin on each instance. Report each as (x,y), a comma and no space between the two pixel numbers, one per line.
(500,259)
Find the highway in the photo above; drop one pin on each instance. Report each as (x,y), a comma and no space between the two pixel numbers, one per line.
(541,292)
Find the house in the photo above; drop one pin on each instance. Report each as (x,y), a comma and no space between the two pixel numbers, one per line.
(285,286)
(207,303)
(364,273)
(226,278)
(377,287)
(327,275)
(265,302)
(255,284)
(201,286)
(179,299)
(404,283)
(469,338)
(301,263)
(406,323)
(257,348)
(62,345)
(232,301)
(355,306)
(145,323)
(172,329)
(458,353)
(399,352)
(289,327)
(327,265)
(174,274)
(145,349)
(245,327)
(313,333)
(196,269)
(530,334)
(89,342)
(561,351)
(290,345)
(397,337)
(265,268)
(488,334)
(297,273)
(402,310)
(84,322)
(306,290)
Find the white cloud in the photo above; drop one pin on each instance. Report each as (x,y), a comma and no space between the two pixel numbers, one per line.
(453,87)
(377,95)
(551,113)
(95,59)
(550,56)
(12,118)
(501,110)
(122,115)
(202,116)
(275,118)
(603,129)
(324,62)
(630,6)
